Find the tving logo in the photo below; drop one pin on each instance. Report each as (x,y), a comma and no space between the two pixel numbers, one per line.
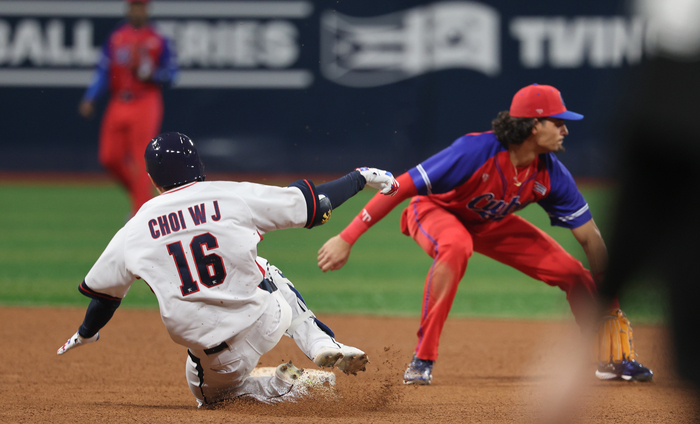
(369,52)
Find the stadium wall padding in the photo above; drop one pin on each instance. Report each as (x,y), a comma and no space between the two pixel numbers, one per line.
(321,86)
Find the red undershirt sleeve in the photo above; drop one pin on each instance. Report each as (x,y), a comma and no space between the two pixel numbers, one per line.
(378,208)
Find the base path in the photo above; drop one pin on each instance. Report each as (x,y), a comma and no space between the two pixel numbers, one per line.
(489,371)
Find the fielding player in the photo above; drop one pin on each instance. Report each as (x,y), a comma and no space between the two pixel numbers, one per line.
(463,199)
(195,245)
(135,63)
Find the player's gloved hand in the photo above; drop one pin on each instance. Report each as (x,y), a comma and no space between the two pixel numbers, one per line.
(75,341)
(380,179)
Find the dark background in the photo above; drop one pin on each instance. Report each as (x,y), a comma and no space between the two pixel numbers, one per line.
(328,127)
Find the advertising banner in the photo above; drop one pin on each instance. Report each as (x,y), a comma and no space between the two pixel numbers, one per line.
(316,86)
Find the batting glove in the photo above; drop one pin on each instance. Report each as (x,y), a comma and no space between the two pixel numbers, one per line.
(380,179)
(75,341)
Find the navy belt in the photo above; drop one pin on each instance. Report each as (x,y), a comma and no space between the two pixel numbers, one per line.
(267,285)
(216,349)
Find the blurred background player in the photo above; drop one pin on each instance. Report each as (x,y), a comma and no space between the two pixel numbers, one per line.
(463,199)
(195,245)
(135,63)
(660,103)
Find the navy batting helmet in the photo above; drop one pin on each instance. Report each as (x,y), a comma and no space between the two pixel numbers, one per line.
(172,160)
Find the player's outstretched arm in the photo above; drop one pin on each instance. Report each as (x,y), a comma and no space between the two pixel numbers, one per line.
(588,235)
(340,190)
(98,314)
(334,254)
(321,200)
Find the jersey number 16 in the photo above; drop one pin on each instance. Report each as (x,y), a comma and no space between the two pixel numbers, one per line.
(210,268)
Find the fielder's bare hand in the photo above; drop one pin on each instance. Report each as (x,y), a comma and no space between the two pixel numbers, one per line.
(333,254)
(382,180)
(86,109)
(76,340)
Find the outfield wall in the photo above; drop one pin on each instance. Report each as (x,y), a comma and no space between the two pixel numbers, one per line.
(320,86)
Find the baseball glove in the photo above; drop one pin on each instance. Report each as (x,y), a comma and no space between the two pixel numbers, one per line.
(615,341)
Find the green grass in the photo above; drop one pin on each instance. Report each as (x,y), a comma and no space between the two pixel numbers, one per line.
(51,236)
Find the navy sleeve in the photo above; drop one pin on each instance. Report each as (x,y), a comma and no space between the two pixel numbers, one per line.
(340,190)
(99,312)
(335,193)
(313,209)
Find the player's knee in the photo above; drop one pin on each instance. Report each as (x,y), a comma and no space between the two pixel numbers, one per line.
(455,252)
(444,275)
(455,244)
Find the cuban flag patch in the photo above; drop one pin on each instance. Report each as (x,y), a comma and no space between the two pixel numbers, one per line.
(540,188)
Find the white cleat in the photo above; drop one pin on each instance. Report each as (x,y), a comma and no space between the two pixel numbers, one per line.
(352,361)
(289,373)
(328,357)
(348,359)
(303,382)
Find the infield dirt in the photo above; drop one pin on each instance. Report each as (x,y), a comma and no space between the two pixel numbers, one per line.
(489,371)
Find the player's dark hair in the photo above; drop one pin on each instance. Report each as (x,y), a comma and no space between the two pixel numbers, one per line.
(509,130)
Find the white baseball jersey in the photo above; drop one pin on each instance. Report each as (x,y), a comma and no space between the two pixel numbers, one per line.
(196,246)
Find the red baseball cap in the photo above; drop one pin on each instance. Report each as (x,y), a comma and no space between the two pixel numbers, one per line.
(539,101)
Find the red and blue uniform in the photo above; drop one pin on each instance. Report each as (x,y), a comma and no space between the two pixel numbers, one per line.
(463,202)
(472,180)
(135,110)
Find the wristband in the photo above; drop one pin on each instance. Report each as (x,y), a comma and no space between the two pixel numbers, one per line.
(353,231)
